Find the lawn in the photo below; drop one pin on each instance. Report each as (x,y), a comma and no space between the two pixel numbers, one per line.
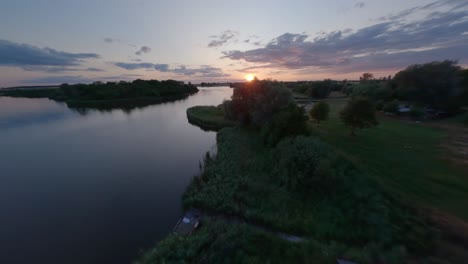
(405,157)
(208,117)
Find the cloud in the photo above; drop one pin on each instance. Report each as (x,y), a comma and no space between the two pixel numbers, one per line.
(111,40)
(58,80)
(386,45)
(94,69)
(73,79)
(360,5)
(202,71)
(143,65)
(15,54)
(144,49)
(59,69)
(222,39)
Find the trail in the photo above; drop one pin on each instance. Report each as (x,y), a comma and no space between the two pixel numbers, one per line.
(239,220)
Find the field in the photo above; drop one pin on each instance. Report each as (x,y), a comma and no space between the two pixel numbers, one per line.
(413,160)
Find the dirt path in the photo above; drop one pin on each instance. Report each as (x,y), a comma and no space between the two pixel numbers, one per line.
(238,220)
(455,142)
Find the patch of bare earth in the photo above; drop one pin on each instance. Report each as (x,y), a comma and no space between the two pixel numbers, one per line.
(451,243)
(455,143)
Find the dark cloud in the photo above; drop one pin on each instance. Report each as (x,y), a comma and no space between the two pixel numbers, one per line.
(15,54)
(386,45)
(59,69)
(73,79)
(144,49)
(59,80)
(94,69)
(143,65)
(222,39)
(360,5)
(203,71)
(111,40)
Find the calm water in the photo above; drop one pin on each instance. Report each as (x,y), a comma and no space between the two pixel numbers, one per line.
(94,187)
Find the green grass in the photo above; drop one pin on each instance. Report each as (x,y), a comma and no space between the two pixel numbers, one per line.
(404,157)
(244,180)
(218,242)
(208,117)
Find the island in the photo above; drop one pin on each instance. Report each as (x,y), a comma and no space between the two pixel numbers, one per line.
(109,95)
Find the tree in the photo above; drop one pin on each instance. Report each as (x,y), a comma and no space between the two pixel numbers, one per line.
(437,84)
(358,113)
(256,102)
(391,107)
(319,112)
(464,77)
(289,122)
(367,76)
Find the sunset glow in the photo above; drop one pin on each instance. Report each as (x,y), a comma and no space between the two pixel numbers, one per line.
(249,77)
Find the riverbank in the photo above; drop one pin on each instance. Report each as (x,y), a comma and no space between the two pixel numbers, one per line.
(248,180)
(341,206)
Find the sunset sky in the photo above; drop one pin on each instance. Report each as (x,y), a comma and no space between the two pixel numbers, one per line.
(58,41)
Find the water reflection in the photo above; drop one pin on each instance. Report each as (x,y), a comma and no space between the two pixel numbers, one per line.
(125,105)
(97,187)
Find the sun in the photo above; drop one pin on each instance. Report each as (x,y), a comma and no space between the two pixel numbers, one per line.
(249,77)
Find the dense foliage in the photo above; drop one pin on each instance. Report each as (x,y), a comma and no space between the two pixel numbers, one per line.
(218,242)
(99,91)
(319,111)
(391,107)
(316,89)
(288,122)
(358,113)
(268,106)
(256,102)
(303,187)
(437,84)
(310,166)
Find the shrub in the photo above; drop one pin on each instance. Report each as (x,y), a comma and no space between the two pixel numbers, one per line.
(391,107)
(255,103)
(379,105)
(305,164)
(287,123)
(359,113)
(319,111)
(416,113)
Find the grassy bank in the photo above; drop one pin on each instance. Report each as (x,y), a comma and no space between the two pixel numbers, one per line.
(208,117)
(406,158)
(350,217)
(220,242)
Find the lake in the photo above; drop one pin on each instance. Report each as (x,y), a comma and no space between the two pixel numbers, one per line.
(94,186)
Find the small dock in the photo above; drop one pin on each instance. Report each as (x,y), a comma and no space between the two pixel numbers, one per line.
(188,223)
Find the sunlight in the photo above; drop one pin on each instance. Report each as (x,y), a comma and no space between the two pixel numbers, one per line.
(249,77)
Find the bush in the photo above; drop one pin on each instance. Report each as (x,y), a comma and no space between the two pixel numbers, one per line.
(255,103)
(287,123)
(319,111)
(465,121)
(358,113)
(379,105)
(306,164)
(416,113)
(437,84)
(391,107)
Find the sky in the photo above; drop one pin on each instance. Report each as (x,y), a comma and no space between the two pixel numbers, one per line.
(67,41)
